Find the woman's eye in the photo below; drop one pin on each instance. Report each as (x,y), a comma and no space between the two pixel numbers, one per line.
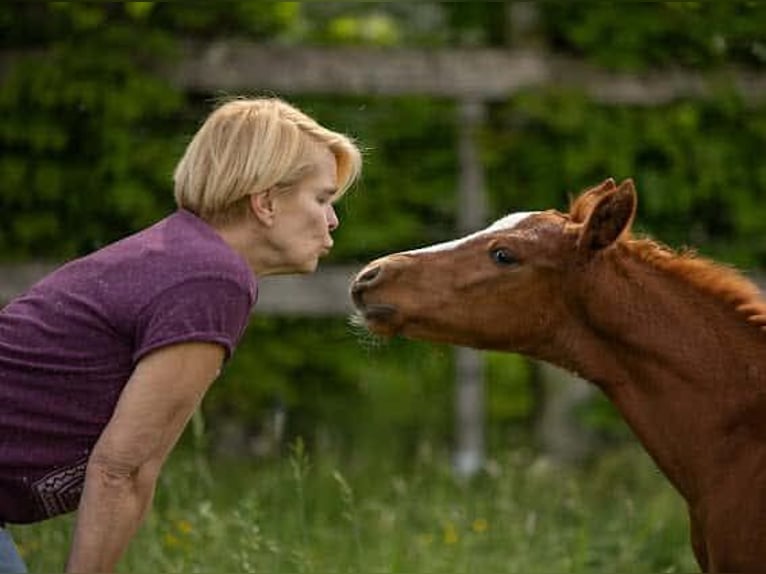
(502,256)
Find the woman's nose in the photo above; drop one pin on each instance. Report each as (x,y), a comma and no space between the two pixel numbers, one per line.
(332,218)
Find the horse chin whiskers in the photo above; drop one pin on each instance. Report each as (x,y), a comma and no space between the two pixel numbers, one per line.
(356,322)
(366,338)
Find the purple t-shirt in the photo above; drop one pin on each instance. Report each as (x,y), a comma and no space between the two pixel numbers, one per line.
(69,345)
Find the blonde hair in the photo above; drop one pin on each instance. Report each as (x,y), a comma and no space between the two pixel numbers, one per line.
(250,145)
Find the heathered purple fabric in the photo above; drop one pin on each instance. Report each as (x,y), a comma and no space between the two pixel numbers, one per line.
(70,343)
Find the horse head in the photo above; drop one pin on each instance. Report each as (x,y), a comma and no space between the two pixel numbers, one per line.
(506,287)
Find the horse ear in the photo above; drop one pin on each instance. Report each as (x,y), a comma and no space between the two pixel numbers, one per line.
(607,185)
(611,217)
(581,207)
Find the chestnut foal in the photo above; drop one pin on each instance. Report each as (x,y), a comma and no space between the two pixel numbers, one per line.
(677,342)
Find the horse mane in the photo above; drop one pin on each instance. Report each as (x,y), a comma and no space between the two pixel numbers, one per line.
(716,279)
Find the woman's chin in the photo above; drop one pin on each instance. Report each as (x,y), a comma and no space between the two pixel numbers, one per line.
(294,268)
(307,267)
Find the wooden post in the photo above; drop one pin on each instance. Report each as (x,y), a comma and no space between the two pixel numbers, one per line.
(469,366)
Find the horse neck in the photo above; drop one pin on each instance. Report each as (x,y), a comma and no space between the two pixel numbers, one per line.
(681,365)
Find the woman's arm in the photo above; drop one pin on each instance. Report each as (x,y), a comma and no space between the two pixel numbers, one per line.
(165,389)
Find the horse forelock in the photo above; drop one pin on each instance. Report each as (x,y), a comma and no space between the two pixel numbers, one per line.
(715,279)
(510,221)
(504,223)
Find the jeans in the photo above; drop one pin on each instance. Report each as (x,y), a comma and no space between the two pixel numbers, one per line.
(10,560)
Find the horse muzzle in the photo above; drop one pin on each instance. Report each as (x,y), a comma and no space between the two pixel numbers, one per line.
(378,315)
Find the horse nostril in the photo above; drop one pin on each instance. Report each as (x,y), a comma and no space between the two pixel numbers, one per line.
(368,277)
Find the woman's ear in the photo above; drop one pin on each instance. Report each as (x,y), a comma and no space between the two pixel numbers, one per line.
(262,206)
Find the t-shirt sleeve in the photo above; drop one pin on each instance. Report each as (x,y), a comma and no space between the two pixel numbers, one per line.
(211,310)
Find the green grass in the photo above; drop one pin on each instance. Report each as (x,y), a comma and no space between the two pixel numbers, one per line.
(362,515)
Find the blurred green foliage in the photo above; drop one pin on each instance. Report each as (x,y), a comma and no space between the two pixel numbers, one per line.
(330,379)
(640,35)
(701,180)
(89,136)
(84,138)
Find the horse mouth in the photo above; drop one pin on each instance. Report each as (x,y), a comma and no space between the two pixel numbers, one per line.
(377,318)
(377,312)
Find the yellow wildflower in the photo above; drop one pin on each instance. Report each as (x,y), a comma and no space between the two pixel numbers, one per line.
(480,525)
(171,540)
(27,548)
(450,534)
(184,526)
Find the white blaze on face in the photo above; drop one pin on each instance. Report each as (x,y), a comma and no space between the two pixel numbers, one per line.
(507,222)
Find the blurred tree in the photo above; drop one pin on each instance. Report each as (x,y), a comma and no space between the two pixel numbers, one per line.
(84,138)
(639,35)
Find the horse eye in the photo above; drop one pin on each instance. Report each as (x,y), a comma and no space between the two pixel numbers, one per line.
(503,257)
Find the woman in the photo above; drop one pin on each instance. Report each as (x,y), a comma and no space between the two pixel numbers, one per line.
(103,362)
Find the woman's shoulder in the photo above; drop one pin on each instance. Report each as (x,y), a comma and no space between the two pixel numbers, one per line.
(197,250)
(177,249)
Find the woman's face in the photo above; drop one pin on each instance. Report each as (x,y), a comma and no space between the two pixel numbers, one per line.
(305,216)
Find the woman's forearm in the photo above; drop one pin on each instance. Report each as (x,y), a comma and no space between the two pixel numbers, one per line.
(154,407)
(113,505)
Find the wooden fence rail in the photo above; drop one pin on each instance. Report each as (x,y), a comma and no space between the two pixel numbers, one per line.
(477,74)
(323,293)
